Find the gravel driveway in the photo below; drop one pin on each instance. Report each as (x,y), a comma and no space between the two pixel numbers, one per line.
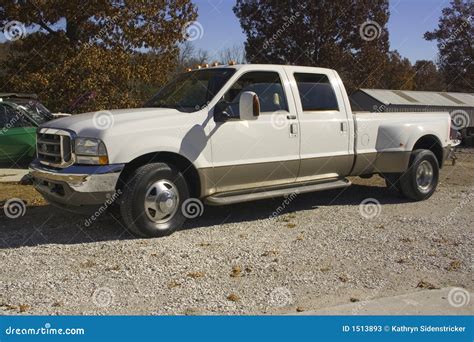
(323,249)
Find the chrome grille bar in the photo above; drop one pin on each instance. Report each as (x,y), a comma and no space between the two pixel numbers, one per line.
(54,147)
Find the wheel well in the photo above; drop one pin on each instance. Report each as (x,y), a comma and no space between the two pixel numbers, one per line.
(432,143)
(181,163)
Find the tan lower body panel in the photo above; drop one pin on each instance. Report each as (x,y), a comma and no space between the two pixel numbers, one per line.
(381,162)
(248,176)
(325,167)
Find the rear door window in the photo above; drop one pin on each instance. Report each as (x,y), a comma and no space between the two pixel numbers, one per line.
(316,92)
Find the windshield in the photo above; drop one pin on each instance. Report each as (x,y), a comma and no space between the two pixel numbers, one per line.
(34,110)
(191,91)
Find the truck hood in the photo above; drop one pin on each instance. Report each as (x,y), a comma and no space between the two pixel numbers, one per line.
(101,123)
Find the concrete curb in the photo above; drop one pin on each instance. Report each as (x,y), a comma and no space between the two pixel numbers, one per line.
(12,175)
(446,301)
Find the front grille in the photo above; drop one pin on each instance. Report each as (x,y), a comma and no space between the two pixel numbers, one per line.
(54,147)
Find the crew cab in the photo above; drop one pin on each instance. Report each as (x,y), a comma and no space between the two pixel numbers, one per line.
(228,134)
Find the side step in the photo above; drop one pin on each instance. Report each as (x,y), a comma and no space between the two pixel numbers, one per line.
(262,193)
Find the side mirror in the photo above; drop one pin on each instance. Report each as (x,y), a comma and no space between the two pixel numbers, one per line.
(249,106)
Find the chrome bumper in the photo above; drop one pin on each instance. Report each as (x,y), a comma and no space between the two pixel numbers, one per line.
(76,185)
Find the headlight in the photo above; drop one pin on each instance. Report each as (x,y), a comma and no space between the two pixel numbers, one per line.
(90,151)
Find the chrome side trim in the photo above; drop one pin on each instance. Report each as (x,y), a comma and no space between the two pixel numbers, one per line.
(262,193)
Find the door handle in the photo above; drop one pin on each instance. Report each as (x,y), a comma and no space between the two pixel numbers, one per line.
(293,130)
(291,117)
(343,127)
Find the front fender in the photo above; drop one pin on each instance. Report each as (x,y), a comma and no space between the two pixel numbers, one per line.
(193,145)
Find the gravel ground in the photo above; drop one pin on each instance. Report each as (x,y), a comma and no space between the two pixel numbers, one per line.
(320,251)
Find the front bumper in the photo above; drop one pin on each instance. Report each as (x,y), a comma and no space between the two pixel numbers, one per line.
(76,185)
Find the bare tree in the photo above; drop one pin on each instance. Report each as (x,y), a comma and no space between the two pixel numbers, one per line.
(186,52)
(234,53)
(189,56)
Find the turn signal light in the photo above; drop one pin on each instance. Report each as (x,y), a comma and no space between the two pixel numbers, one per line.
(103,160)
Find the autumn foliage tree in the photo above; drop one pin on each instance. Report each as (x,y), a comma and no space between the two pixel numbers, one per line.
(347,35)
(351,36)
(427,76)
(398,73)
(115,50)
(455,38)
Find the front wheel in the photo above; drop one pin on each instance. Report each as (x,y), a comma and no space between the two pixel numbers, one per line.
(420,180)
(151,203)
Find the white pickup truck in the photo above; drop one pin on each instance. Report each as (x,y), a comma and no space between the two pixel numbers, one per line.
(229,134)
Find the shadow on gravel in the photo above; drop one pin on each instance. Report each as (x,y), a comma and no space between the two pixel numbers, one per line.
(48,225)
(264,209)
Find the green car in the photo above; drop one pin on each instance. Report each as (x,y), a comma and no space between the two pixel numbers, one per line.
(20,115)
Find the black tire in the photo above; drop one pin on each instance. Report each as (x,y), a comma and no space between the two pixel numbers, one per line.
(392,181)
(132,206)
(409,186)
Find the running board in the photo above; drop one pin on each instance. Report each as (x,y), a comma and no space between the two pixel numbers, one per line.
(262,193)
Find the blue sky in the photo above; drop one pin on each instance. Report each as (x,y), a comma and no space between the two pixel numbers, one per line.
(409,20)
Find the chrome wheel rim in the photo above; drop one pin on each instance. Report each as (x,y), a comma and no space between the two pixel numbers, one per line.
(161,201)
(424,176)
